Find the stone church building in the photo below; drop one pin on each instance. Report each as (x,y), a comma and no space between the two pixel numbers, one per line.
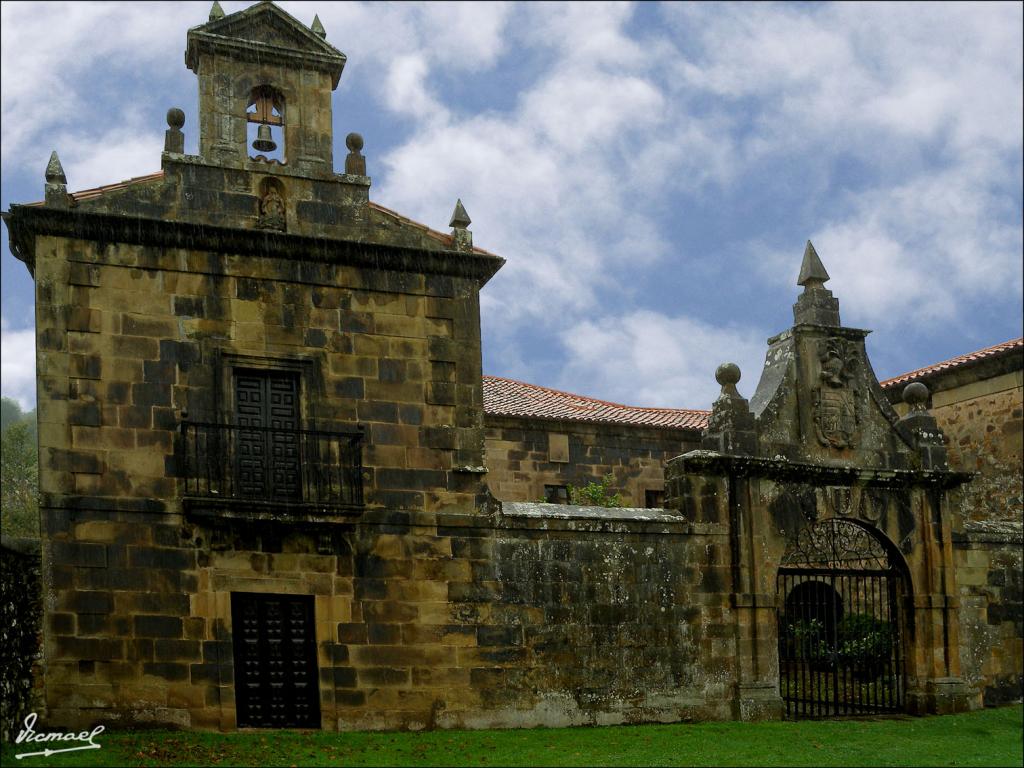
(277,491)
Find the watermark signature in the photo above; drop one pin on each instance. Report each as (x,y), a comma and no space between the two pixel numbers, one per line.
(29,735)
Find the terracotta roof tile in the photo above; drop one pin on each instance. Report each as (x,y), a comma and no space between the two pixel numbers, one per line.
(956,362)
(87,194)
(507,397)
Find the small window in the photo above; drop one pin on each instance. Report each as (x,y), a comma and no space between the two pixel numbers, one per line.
(556,494)
(654,499)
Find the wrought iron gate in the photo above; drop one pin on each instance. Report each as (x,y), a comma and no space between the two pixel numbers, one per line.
(840,638)
(276,682)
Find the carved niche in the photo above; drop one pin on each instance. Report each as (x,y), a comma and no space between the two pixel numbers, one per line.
(834,399)
(272,206)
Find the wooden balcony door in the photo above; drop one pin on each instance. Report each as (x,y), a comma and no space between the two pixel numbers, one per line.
(267,455)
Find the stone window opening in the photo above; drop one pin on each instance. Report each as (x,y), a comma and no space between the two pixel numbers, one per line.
(654,498)
(556,494)
(264,112)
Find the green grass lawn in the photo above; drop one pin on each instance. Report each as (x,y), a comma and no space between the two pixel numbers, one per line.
(985,737)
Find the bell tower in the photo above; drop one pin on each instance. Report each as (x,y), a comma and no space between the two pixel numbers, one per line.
(265,84)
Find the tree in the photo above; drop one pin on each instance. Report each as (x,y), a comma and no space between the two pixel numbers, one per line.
(19,473)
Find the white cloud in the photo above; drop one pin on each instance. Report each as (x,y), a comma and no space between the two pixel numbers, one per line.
(921,252)
(648,358)
(18,364)
(57,58)
(606,131)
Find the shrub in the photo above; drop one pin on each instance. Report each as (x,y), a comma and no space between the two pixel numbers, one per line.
(596,494)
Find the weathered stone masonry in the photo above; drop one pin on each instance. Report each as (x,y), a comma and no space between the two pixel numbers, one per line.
(20,619)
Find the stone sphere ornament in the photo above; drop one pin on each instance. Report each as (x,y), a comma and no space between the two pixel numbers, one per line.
(727,374)
(915,395)
(175,117)
(354,142)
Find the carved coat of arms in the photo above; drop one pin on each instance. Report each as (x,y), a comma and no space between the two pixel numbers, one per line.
(834,399)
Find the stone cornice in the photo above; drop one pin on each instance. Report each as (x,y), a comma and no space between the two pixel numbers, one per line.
(24,223)
(720,464)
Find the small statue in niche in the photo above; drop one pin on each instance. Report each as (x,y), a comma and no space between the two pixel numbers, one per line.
(272,210)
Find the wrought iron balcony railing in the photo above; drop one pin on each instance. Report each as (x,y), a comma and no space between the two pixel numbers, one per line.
(264,465)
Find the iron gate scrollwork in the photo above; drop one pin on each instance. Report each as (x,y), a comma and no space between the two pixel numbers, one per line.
(840,638)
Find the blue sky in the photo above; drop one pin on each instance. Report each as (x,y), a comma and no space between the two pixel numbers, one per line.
(650,172)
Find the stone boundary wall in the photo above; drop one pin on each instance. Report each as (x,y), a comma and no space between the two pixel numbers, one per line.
(524,454)
(529,615)
(21,679)
(989,562)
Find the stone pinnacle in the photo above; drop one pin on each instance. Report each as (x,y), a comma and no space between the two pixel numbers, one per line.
(812,271)
(54,170)
(318,27)
(460,219)
(216,12)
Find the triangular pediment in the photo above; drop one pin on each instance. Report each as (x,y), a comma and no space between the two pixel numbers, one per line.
(266,23)
(264,28)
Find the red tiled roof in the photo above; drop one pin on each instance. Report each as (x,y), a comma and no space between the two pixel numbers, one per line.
(956,362)
(87,194)
(507,397)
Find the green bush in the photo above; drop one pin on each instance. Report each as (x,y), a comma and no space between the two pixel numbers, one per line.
(596,494)
(863,641)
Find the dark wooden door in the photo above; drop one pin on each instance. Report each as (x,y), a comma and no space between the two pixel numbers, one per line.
(275,661)
(267,448)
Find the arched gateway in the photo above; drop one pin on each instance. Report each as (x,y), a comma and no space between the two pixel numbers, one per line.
(841,595)
(837,514)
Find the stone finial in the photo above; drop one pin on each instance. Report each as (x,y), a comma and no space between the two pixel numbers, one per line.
(55,171)
(731,426)
(931,443)
(462,238)
(816,305)
(812,271)
(216,12)
(728,375)
(915,395)
(174,139)
(460,219)
(56,189)
(355,163)
(318,28)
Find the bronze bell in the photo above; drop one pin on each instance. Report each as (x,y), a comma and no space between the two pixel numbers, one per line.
(264,141)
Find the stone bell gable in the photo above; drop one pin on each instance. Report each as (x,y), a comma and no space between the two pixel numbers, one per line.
(265,47)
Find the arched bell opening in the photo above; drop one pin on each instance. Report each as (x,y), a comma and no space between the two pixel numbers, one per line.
(843,628)
(265,117)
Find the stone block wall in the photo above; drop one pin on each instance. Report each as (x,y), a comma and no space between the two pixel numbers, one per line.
(537,615)
(130,337)
(21,678)
(985,434)
(989,561)
(524,455)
